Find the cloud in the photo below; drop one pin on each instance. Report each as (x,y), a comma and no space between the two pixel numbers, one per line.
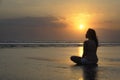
(33,22)
(32,28)
(47,28)
(108,24)
(108,35)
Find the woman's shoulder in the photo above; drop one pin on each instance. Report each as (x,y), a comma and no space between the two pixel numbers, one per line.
(89,42)
(86,41)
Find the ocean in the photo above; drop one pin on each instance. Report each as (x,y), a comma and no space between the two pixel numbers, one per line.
(51,61)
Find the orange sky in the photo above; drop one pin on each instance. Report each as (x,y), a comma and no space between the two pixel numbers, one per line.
(97,14)
(89,13)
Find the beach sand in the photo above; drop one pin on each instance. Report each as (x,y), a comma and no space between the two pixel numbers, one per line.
(53,63)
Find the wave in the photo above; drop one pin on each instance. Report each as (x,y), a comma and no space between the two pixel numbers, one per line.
(42,44)
(51,44)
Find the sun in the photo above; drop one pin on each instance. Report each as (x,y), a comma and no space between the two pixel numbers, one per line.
(81,26)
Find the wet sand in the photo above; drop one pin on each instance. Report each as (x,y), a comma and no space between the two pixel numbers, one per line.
(53,63)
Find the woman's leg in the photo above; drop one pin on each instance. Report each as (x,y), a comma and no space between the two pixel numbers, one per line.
(76,59)
(84,61)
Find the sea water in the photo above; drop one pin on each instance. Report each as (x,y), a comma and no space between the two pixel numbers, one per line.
(53,63)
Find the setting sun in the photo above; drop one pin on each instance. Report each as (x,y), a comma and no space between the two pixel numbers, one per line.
(81,26)
(78,22)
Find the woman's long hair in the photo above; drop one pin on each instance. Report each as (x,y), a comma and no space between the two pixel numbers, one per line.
(91,34)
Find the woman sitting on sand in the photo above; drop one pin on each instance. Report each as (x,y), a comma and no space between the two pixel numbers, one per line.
(90,49)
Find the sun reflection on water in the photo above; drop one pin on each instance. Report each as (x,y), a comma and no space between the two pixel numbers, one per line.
(80,51)
(80,78)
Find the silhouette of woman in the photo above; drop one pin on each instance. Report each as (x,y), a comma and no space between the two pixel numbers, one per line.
(89,49)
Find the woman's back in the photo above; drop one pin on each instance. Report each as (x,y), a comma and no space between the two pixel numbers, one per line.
(90,50)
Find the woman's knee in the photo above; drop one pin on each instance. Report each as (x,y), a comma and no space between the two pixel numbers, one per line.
(73,58)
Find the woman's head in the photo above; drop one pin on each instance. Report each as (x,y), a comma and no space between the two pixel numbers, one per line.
(91,35)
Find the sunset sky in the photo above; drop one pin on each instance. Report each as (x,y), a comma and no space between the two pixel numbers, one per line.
(36,20)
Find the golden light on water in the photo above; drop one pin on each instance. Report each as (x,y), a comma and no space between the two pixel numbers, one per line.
(81,78)
(80,51)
